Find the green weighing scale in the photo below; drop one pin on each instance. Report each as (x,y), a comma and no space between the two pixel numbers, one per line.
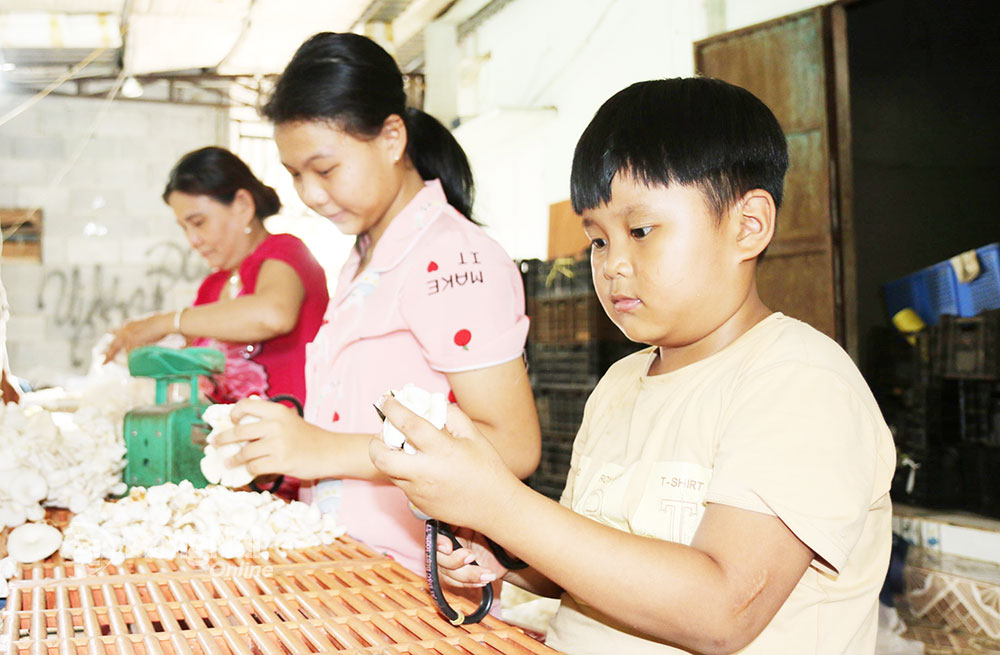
(166,441)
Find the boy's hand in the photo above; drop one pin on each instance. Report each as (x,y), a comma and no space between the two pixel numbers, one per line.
(456,564)
(279,442)
(456,475)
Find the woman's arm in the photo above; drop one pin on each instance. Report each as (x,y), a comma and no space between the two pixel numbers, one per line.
(270,311)
(497,398)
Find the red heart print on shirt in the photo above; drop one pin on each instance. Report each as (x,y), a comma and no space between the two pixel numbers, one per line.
(336,417)
(432,267)
(462,338)
(451,397)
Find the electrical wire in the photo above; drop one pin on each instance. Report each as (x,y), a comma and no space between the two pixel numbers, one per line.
(65,77)
(71,162)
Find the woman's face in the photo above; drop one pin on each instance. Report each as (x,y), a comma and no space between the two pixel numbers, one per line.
(216,230)
(354,183)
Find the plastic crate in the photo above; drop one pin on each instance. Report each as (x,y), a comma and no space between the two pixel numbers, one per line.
(342,598)
(557,277)
(553,467)
(560,408)
(967,348)
(575,363)
(570,319)
(935,291)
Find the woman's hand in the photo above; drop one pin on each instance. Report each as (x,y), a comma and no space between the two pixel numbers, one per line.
(469,567)
(140,332)
(278,442)
(456,475)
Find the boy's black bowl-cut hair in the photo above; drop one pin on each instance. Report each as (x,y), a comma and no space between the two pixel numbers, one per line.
(699,130)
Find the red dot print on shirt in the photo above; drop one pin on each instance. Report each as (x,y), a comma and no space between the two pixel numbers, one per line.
(462,338)
(432,267)
(336,417)
(451,397)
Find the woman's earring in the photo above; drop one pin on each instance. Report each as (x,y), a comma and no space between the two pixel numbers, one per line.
(247,230)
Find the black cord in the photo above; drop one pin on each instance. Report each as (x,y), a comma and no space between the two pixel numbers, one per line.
(433,527)
(288,398)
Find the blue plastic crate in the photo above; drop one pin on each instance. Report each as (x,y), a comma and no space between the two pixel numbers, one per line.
(935,291)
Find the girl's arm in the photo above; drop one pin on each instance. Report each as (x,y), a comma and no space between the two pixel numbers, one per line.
(498,399)
(270,311)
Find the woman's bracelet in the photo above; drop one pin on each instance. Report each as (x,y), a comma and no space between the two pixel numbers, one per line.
(177,320)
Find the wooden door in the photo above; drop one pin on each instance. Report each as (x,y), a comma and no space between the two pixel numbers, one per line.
(788,63)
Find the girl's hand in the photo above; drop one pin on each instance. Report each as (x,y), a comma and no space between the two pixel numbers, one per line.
(455,565)
(140,332)
(278,442)
(456,475)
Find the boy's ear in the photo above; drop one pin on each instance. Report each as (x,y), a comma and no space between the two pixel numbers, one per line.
(756,214)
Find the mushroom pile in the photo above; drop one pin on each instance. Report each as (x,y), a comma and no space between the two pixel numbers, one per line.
(70,465)
(176,519)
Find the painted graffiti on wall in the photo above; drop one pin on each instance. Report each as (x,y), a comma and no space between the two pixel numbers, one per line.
(89,302)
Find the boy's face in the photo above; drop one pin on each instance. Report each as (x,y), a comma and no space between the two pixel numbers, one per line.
(666,272)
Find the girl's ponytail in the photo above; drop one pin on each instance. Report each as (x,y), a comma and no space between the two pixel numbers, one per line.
(436,154)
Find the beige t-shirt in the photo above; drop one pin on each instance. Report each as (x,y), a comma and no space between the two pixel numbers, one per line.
(779,422)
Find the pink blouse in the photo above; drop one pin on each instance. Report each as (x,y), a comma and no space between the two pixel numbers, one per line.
(438,296)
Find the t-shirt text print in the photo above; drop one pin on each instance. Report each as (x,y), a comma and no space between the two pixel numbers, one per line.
(469,271)
(670,506)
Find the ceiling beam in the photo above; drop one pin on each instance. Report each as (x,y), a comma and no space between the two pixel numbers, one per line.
(415,17)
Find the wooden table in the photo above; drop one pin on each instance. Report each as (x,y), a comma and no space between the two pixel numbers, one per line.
(341,598)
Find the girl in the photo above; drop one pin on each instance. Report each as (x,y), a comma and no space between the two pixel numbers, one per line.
(426,297)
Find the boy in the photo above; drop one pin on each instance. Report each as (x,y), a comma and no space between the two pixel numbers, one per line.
(728,489)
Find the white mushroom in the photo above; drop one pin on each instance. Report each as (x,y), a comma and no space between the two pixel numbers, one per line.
(33,542)
(28,487)
(11,514)
(431,406)
(213,464)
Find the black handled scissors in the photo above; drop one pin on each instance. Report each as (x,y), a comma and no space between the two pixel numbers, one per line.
(288,398)
(432,528)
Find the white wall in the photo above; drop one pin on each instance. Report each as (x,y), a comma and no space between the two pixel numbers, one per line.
(563,59)
(110,246)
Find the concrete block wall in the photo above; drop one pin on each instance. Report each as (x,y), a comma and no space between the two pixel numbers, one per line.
(110,247)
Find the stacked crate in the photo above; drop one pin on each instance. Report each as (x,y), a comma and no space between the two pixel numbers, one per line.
(571,343)
(944,406)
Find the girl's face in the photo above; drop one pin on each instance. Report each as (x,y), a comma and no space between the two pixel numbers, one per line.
(355,183)
(214,229)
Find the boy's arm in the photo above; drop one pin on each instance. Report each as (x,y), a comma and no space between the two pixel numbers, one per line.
(713,596)
(456,569)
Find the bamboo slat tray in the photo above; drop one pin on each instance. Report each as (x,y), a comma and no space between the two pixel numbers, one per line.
(341,598)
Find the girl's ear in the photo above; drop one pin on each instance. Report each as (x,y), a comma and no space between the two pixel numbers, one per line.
(393,137)
(757,214)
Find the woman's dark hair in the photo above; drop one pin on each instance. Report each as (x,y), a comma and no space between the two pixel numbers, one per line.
(219,174)
(350,81)
(699,131)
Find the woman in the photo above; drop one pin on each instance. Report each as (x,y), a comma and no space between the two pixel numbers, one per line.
(426,297)
(266,296)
